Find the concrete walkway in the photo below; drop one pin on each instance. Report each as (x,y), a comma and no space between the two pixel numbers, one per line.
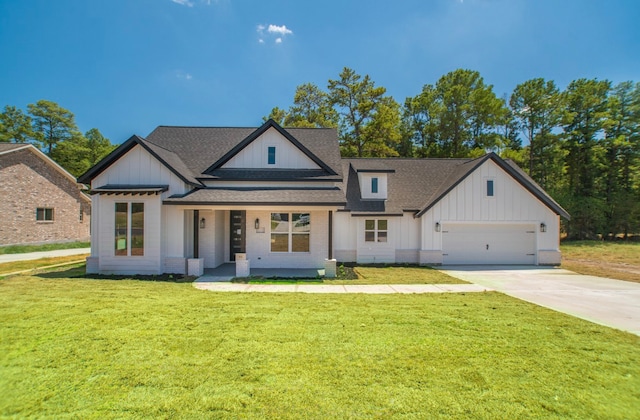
(4,258)
(339,288)
(614,303)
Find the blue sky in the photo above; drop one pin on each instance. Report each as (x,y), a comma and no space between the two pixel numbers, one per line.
(127,66)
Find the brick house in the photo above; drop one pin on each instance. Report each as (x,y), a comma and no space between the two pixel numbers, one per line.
(40,201)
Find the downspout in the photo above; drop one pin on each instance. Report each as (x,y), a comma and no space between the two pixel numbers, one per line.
(196,233)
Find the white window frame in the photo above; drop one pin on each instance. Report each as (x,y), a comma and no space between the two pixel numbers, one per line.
(376,231)
(290,233)
(493,187)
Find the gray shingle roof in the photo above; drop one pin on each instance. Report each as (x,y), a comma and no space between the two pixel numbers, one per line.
(261,196)
(200,147)
(408,186)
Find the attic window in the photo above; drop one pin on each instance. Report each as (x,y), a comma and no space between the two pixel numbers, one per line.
(271,159)
(374,185)
(489,187)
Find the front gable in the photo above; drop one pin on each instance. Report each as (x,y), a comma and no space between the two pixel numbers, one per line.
(270,150)
(270,147)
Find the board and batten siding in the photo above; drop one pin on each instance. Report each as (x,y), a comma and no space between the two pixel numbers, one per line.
(108,262)
(139,167)
(468,203)
(254,155)
(402,246)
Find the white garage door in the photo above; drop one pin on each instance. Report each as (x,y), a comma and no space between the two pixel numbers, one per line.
(488,243)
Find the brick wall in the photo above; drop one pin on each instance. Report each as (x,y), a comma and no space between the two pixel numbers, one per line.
(28,182)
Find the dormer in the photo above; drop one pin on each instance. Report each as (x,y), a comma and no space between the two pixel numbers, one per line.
(373,183)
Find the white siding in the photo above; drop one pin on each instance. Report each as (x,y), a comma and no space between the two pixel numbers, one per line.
(255,154)
(364,178)
(139,167)
(376,252)
(151,262)
(259,242)
(511,202)
(344,237)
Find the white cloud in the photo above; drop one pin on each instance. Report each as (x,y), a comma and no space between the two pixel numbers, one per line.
(183,75)
(282,30)
(274,32)
(183,2)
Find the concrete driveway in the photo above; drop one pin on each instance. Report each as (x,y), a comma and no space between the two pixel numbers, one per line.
(613,303)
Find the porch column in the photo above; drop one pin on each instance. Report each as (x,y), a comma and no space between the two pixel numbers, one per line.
(330,256)
(196,234)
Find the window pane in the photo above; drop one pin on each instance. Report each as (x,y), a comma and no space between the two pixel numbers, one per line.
(121,229)
(48,214)
(300,242)
(272,156)
(374,185)
(301,222)
(279,242)
(369,224)
(279,222)
(489,188)
(369,236)
(382,225)
(137,229)
(382,236)
(39,214)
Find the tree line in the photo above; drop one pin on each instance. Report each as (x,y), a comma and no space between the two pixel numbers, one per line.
(53,129)
(581,144)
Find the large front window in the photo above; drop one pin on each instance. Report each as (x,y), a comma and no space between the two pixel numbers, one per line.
(129,233)
(375,230)
(290,232)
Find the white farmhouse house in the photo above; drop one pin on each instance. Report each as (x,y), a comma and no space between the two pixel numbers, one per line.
(284,198)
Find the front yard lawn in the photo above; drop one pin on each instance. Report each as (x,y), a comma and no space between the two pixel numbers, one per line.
(396,275)
(615,260)
(121,348)
(19,249)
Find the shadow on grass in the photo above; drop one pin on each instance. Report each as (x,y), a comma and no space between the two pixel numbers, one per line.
(79,273)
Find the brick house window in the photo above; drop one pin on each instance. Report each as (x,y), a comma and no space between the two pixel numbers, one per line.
(44,214)
(81,215)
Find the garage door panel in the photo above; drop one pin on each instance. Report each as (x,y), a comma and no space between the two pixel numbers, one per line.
(485,243)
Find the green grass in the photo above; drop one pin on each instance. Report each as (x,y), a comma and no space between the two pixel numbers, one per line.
(21,249)
(617,260)
(396,275)
(120,349)
(14,266)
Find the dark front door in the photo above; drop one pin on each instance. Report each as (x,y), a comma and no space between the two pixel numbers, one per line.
(238,223)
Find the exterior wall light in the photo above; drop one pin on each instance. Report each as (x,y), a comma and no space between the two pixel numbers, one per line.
(257,224)
(543,227)
(437,226)
(202,223)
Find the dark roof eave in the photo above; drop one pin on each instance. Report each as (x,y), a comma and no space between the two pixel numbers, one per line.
(244,203)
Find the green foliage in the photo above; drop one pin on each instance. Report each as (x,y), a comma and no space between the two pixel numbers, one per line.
(369,121)
(537,108)
(51,124)
(457,115)
(79,153)
(15,126)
